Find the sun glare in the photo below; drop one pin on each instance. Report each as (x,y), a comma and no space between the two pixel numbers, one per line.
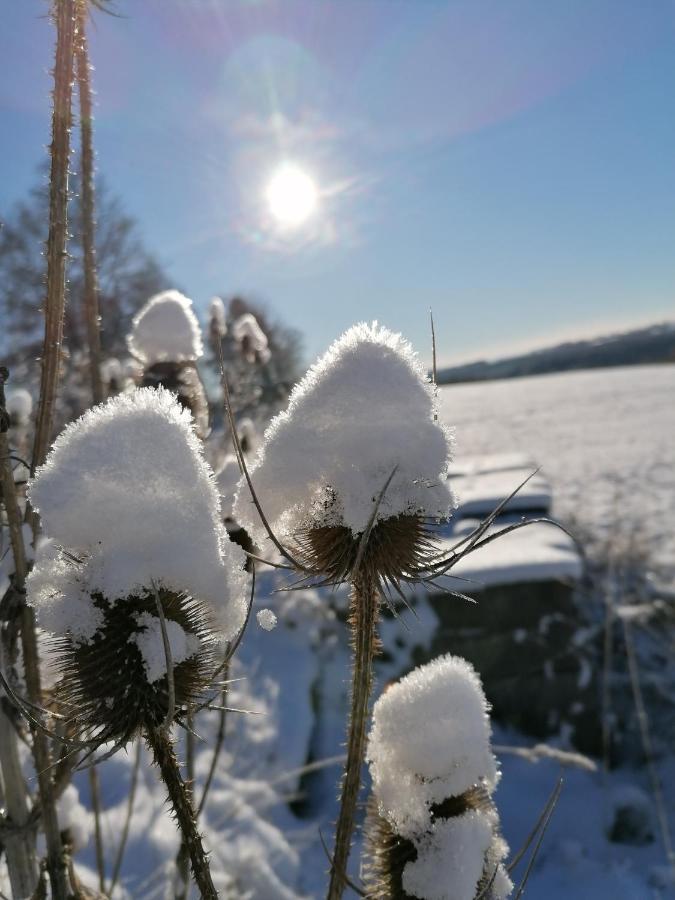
(292,196)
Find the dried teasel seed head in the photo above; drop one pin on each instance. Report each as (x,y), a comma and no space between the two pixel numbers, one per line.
(387,853)
(116,683)
(395,547)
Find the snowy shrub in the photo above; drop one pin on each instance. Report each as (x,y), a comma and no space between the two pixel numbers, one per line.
(433,830)
(132,511)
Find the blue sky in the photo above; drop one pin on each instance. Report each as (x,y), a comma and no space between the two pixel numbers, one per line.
(510,164)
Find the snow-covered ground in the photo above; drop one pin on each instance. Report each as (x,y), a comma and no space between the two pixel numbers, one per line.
(605,439)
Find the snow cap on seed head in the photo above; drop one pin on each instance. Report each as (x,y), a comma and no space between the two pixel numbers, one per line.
(217,317)
(166,330)
(126,488)
(430,740)
(364,408)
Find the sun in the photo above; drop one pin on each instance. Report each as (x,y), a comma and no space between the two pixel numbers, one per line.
(292,196)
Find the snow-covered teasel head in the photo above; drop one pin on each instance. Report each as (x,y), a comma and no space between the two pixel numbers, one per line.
(19,405)
(365,410)
(251,338)
(127,494)
(217,318)
(166,330)
(430,739)
(434,830)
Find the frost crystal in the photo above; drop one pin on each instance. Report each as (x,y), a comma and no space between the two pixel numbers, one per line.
(126,489)
(151,644)
(267,619)
(365,408)
(166,329)
(227,478)
(430,739)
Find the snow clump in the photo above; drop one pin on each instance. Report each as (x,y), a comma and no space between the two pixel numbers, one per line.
(430,739)
(166,329)
(19,404)
(365,408)
(430,743)
(127,492)
(151,644)
(267,619)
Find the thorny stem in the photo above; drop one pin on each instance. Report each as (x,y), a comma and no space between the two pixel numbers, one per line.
(183,809)
(182,860)
(91,310)
(64,15)
(364,605)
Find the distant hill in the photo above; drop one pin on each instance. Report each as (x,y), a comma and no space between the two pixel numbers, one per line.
(655,344)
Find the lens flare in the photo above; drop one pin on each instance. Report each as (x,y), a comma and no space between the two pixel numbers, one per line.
(292,196)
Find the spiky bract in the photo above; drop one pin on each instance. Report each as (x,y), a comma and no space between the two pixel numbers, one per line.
(387,853)
(395,550)
(104,682)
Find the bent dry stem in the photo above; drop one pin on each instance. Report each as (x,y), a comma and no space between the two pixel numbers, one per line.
(363,614)
(183,809)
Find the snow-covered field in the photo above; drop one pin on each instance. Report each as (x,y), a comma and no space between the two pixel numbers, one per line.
(604,438)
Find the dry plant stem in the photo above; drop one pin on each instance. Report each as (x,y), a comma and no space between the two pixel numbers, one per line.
(20,847)
(131,798)
(56,861)
(64,14)
(647,745)
(183,810)
(91,308)
(364,605)
(20,850)
(182,859)
(96,806)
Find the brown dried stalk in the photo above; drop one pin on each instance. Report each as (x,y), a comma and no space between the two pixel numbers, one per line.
(180,797)
(65,19)
(20,847)
(363,615)
(64,13)
(91,307)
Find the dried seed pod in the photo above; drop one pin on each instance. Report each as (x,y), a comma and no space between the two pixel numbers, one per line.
(118,681)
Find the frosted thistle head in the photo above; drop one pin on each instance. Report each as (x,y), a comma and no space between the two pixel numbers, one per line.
(134,521)
(433,829)
(361,420)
